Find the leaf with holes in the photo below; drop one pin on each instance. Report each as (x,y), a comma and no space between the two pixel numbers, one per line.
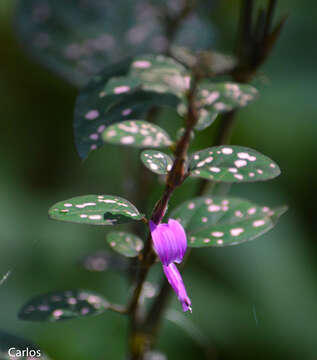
(63,305)
(125,243)
(95,210)
(222,221)
(15,343)
(157,161)
(136,133)
(232,164)
(125,91)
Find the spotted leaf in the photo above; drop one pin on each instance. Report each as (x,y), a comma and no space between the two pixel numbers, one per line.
(216,98)
(103,261)
(136,133)
(157,161)
(222,221)
(125,91)
(161,74)
(125,243)
(232,164)
(77,38)
(95,210)
(64,305)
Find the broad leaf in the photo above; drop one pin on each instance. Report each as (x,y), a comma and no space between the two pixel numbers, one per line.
(216,98)
(135,86)
(77,38)
(136,133)
(64,305)
(95,210)
(222,221)
(125,243)
(157,161)
(232,164)
(16,345)
(103,261)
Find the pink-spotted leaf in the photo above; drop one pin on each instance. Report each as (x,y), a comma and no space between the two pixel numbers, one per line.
(230,163)
(136,133)
(217,98)
(64,305)
(95,210)
(157,161)
(124,243)
(223,221)
(101,261)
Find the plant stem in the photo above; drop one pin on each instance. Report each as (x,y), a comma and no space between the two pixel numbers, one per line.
(245,52)
(141,339)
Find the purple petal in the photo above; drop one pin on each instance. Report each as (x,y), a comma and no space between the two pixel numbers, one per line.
(180,236)
(174,278)
(169,241)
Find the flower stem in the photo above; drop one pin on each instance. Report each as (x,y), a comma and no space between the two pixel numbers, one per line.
(246,69)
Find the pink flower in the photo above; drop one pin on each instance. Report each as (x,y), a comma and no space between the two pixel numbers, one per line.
(170,244)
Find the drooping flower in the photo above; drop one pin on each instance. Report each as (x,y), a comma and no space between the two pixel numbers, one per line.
(170,244)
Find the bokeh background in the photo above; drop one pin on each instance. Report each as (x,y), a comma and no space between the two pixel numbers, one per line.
(254,301)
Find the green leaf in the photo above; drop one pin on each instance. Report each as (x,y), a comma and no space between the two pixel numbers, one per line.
(126,91)
(161,74)
(121,85)
(77,38)
(125,243)
(136,133)
(232,164)
(206,118)
(8,341)
(95,210)
(222,221)
(216,98)
(157,161)
(103,261)
(63,305)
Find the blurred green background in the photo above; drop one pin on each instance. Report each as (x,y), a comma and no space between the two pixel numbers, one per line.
(254,301)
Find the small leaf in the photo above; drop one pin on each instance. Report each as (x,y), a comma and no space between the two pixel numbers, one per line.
(63,305)
(206,118)
(214,63)
(217,98)
(125,243)
(136,133)
(161,74)
(222,221)
(95,210)
(103,261)
(17,345)
(157,161)
(232,164)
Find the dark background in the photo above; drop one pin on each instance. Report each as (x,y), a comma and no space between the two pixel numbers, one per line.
(254,301)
